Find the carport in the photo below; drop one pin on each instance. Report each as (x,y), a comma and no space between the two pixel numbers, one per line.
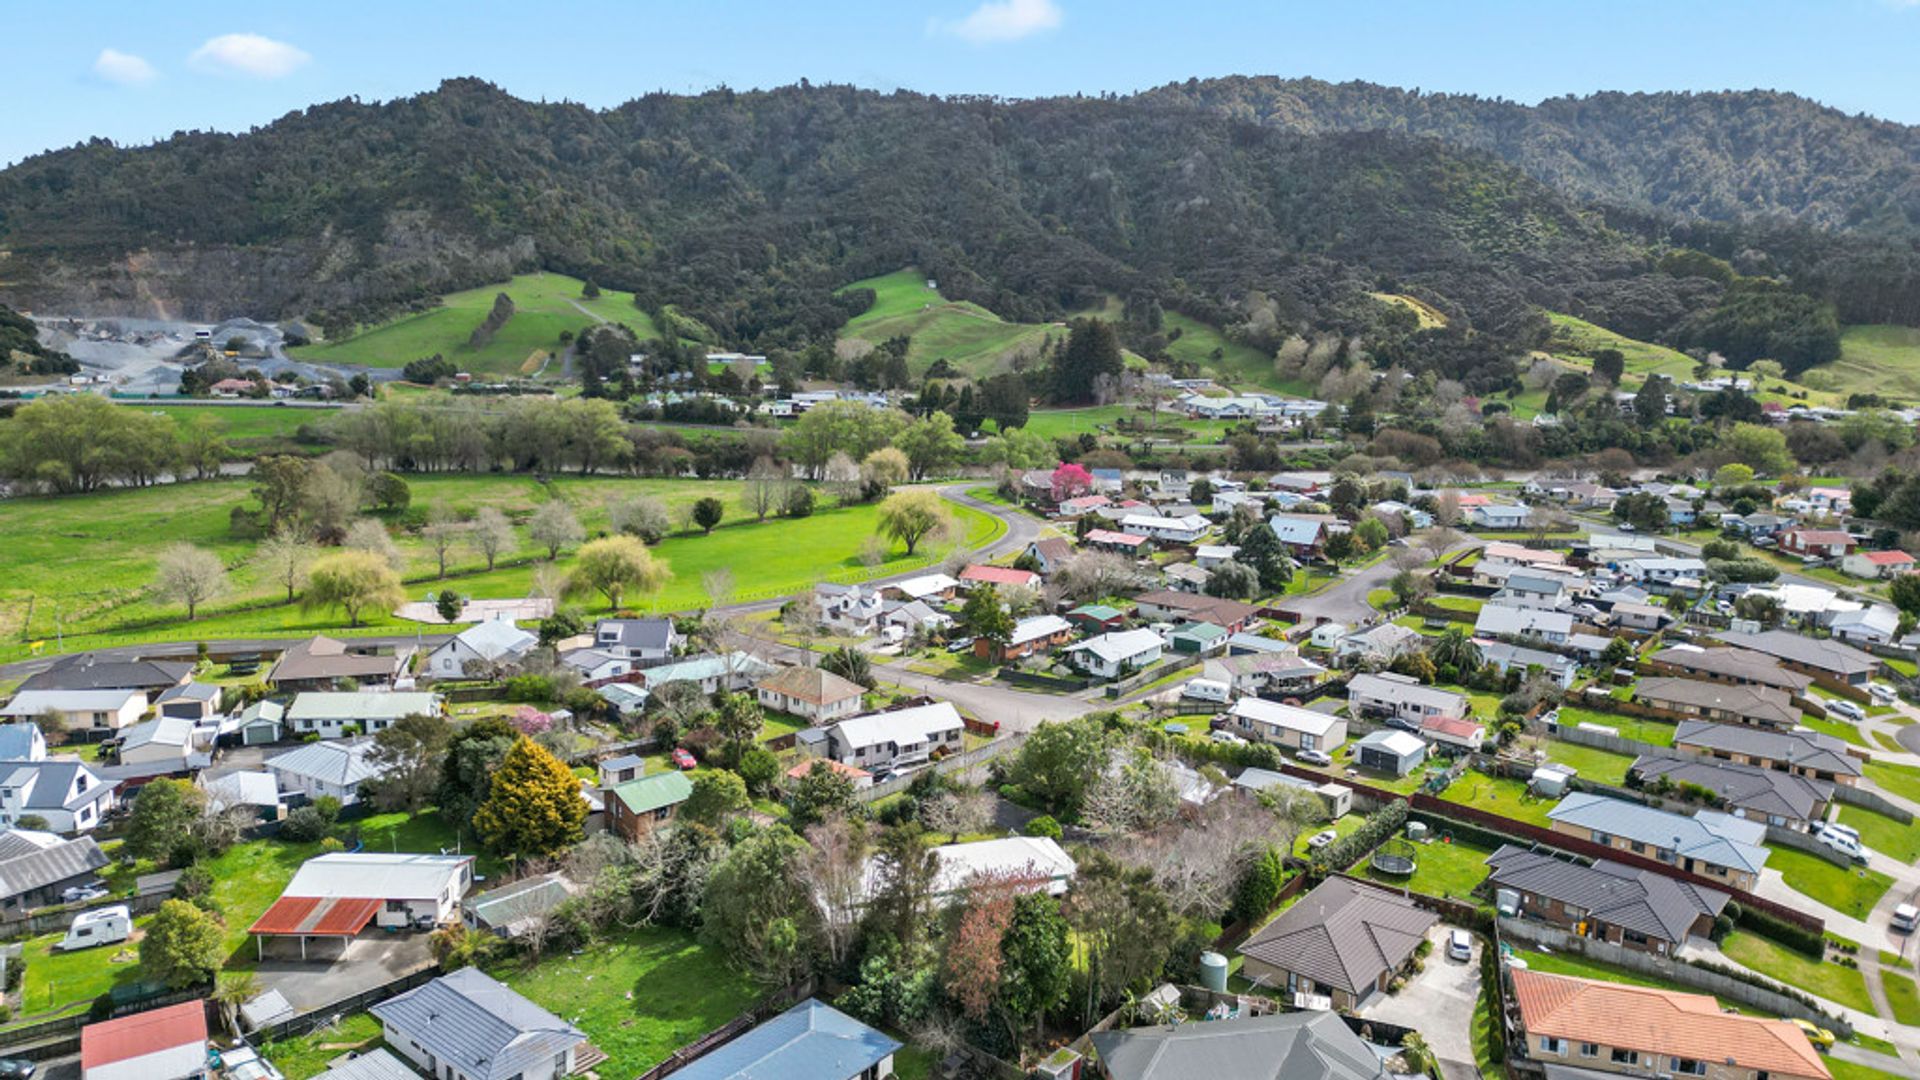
(307,917)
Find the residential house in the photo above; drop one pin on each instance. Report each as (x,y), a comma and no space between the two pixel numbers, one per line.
(814,694)
(338,894)
(1741,667)
(1711,845)
(1297,483)
(643,804)
(253,789)
(1606,901)
(1244,643)
(932,588)
(853,610)
(1111,656)
(1395,753)
(860,778)
(1877,565)
(1815,543)
(510,911)
(1526,624)
(1830,659)
(1097,618)
(335,769)
(1108,481)
(596,667)
(1760,705)
(339,715)
(1303,536)
(1589,1026)
(481,648)
(1177,530)
(168,1043)
(1287,726)
(1503,657)
(1829,500)
(1528,588)
(1876,625)
(1777,798)
(812,1040)
(1645,618)
(638,641)
(1327,635)
(998,576)
(1681,514)
(1498,516)
(912,616)
(166,741)
(1037,863)
(1759,525)
(1460,734)
(1118,543)
(1197,639)
(1811,754)
(1185,577)
(36,867)
(67,795)
(1666,573)
(1083,504)
(1410,517)
(728,671)
(1032,635)
(467,1025)
(261,722)
(196,702)
(324,663)
(1504,558)
(1379,644)
(88,671)
(1209,556)
(1280,672)
(80,711)
(1344,940)
(1309,1045)
(1166,605)
(22,742)
(1390,694)
(1050,553)
(625,698)
(897,739)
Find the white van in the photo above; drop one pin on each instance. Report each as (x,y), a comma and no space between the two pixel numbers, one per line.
(1905,918)
(101,926)
(1207,690)
(1843,840)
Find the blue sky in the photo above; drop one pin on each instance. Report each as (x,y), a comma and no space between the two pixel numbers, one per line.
(133,72)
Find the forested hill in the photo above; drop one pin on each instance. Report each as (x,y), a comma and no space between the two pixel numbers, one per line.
(1720,156)
(747,211)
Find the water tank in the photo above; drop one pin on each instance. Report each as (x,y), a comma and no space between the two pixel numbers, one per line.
(1416,830)
(1506,901)
(1213,972)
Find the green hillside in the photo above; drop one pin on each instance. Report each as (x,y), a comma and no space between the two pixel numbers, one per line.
(966,335)
(1576,340)
(544,305)
(1877,359)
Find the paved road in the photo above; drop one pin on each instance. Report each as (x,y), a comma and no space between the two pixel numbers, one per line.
(1345,601)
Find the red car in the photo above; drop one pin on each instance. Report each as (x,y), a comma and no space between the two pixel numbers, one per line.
(682,758)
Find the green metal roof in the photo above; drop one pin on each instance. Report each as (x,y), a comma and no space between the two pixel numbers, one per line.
(650,793)
(1201,631)
(1096,611)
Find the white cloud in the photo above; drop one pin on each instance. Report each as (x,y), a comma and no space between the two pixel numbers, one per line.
(123,68)
(1006,20)
(248,54)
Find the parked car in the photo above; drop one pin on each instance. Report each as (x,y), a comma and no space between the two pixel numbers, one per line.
(76,894)
(960,646)
(1322,839)
(1227,737)
(1847,709)
(1838,839)
(1884,693)
(17,1069)
(1315,757)
(1459,945)
(682,759)
(1905,918)
(1402,723)
(1820,1037)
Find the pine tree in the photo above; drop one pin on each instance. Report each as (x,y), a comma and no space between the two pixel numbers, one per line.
(534,808)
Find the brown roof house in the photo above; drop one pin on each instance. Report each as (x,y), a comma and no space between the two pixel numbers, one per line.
(810,693)
(324,663)
(1343,940)
(1761,706)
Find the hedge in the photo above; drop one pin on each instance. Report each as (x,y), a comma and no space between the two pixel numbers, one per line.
(1806,942)
(1347,850)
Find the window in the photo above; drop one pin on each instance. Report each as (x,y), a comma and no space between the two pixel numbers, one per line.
(1638,847)
(1626,1057)
(396,906)
(1588,1050)
(1689,1066)
(1551,1045)
(1602,838)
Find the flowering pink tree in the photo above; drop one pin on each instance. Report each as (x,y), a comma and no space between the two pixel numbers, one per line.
(1071,481)
(531,721)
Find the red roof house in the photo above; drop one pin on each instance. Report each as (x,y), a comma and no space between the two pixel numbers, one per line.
(981,574)
(160,1044)
(1824,543)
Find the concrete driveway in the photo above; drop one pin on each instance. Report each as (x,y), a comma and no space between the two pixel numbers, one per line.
(372,959)
(1439,1003)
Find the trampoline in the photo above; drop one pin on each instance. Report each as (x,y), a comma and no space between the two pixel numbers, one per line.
(1396,857)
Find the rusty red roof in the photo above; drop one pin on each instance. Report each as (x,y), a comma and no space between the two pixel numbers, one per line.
(321,915)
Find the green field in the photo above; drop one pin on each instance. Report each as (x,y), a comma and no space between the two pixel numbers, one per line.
(1602,765)
(1902,995)
(1640,729)
(1239,365)
(964,334)
(545,305)
(242,424)
(1842,985)
(1882,833)
(1848,890)
(1506,797)
(1576,340)
(1902,780)
(1878,359)
(87,561)
(1450,871)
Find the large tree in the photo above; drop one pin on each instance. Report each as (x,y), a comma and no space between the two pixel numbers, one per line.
(491,534)
(553,526)
(283,559)
(614,566)
(410,752)
(534,808)
(473,755)
(163,817)
(1090,366)
(190,576)
(931,444)
(911,516)
(183,946)
(352,581)
(757,909)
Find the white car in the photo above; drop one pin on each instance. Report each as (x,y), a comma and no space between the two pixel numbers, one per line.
(1315,757)
(1843,840)
(1322,839)
(1882,692)
(1227,737)
(1459,945)
(1847,709)
(1905,918)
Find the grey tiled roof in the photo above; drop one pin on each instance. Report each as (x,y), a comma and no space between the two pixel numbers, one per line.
(1805,749)
(1637,900)
(1309,1045)
(1744,787)
(1342,934)
(26,870)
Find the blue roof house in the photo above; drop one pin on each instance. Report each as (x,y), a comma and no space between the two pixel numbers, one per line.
(813,1040)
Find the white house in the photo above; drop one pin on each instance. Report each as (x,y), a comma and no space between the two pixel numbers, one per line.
(70,796)
(335,769)
(1526,588)
(636,640)
(1382,643)
(338,894)
(467,1025)
(1111,655)
(494,643)
(80,710)
(853,610)
(813,694)
(1503,657)
(1876,564)
(330,713)
(164,740)
(903,737)
(1180,530)
(1288,725)
(1389,694)
(928,587)
(1039,863)
(728,671)
(1877,625)
(1498,516)
(595,666)
(1534,624)
(1667,571)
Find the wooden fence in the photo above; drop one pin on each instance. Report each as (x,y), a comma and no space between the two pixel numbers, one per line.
(767,1007)
(314,1019)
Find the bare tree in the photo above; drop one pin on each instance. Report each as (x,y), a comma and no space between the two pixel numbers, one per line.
(957,813)
(718,584)
(190,575)
(1093,574)
(834,868)
(442,533)
(1439,540)
(1200,865)
(491,534)
(366,534)
(843,477)
(283,559)
(766,488)
(1446,508)
(553,527)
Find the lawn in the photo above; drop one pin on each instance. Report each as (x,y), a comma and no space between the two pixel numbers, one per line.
(1382,599)
(83,565)
(1847,1070)
(309,1054)
(1902,995)
(1237,364)
(1507,797)
(245,424)
(1842,985)
(1344,827)
(1604,766)
(1447,870)
(1848,890)
(1888,742)
(1639,728)
(1902,780)
(1882,833)
(544,306)
(638,996)
(1839,729)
